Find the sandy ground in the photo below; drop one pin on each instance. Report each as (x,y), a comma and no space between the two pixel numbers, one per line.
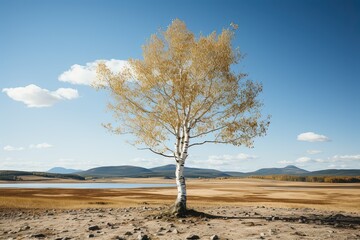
(233,209)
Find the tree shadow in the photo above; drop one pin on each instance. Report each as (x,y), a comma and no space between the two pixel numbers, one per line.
(335,220)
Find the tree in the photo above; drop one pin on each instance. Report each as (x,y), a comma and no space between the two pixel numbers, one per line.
(183,92)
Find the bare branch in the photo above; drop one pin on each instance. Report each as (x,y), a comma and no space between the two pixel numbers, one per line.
(159,153)
(201,143)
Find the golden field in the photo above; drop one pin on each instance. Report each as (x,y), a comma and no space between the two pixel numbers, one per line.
(201,192)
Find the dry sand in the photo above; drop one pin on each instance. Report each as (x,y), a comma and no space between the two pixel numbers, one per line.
(235,208)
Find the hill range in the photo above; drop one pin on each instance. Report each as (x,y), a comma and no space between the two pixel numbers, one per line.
(168,171)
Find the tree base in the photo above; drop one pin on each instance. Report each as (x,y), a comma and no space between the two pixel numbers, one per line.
(179,209)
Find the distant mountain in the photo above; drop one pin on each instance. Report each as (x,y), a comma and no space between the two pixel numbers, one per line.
(288,170)
(63,170)
(17,175)
(335,172)
(169,171)
(163,171)
(117,171)
(236,174)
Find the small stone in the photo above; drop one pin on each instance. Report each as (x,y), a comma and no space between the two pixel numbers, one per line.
(120,238)
(143,237)
(175,231)
(248,224)
(214,237)
(128,234)
(299,234)
(94,228)
(38,235)
(161,229)
(91,235)
(24,228)
(302,219)
(273,231)
(192,236)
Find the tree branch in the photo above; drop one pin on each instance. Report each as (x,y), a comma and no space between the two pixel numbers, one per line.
(159,153)
(210,131)
(195,144)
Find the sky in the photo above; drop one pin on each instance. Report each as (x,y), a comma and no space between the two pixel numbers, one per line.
(305,53)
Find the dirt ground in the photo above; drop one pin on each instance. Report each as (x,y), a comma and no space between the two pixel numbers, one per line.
(231,209)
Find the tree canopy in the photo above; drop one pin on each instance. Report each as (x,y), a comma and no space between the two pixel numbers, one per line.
(182,85)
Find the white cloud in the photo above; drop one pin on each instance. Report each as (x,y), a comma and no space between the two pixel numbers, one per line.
(285,162)
(34,96)
(303,160)
(11,148)
(312,152)
(40,146)
(221,162)
(86,74)
(346,157)
(335,159)
(309,160)
(312,137)
(240,156)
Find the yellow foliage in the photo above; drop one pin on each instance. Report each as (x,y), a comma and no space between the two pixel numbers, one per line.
(183,89)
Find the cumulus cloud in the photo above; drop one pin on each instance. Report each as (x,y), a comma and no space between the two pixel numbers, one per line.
(346,157)
(11,148)
(221,162)
(40,146)
(240,156)
(312,137)
(86,74)
(340,161)
(309,160)
(312,152)
(303,160)
(285,162)
(34,96)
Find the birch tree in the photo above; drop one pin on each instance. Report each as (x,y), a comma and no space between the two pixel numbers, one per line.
(184,93)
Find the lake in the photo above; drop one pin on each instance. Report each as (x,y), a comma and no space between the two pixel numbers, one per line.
(85,185)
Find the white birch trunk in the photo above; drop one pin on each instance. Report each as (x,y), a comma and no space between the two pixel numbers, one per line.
(180,157)
(180,204)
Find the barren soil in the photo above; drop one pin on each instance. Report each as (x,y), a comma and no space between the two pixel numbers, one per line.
(231,209)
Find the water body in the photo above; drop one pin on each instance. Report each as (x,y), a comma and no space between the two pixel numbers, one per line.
(85,185)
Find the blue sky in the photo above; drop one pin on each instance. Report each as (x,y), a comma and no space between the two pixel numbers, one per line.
(306,54)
